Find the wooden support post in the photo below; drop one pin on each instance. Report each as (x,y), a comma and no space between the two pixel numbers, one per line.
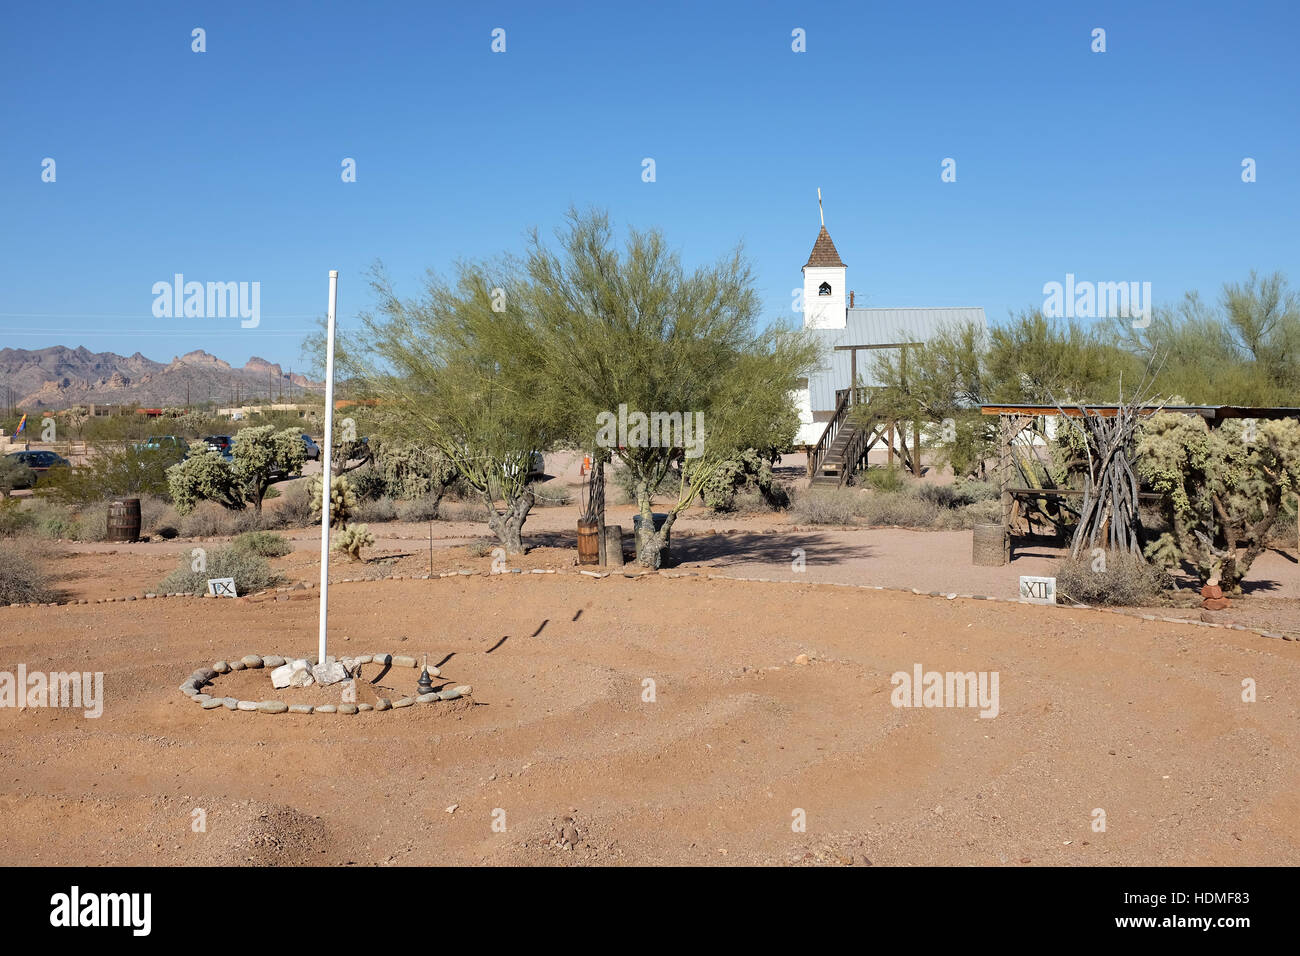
(1004,481)
(916,449)
(891,444)
(853,376)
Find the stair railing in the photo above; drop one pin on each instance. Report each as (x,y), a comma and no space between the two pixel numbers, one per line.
(832,429)
(853,452)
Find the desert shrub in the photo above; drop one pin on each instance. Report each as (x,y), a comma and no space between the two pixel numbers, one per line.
(113,471)
(22,581)
(622,478)
(958,495)
(418,509)
(250,571)
(1111,578)
(352,539)
(973,491)
(210,520)
(55,520)
(748,501)
(266,543)
(890,478)
(481,548)
(463,511)
(14,474)
(92,522)
(14,519)
(379,510)
(941,496)
(367,483)
(750,473)
(899,509)
(551,494)
(968,516)
(294,510)
(825,506)
(156,513)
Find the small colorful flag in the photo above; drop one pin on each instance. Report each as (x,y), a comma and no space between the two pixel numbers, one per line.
(22,423)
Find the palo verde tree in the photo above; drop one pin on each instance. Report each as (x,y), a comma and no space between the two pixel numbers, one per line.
(641,355)
(941,381)
(1245,350)
(1029,359)
(455,370)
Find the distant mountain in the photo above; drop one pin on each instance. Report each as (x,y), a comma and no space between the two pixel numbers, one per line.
(58,377)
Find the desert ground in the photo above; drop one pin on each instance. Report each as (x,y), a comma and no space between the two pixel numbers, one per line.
(676,717)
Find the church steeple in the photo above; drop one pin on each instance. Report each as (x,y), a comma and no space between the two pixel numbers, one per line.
(823,283)
(824,253)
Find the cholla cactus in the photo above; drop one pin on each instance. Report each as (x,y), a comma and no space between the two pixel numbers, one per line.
(352,539)
(342,500)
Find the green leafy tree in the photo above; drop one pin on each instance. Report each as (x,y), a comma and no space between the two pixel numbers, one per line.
(942,382)
(453,371)
(1244,352)
(113,469)
(631,326)
(1222,489)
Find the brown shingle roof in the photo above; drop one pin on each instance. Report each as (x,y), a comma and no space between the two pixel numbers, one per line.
(823,252)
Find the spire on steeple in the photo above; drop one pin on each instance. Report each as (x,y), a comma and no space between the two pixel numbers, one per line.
(824,253)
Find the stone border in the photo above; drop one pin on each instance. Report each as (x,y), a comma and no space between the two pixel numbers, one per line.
(206,676)
(307,585)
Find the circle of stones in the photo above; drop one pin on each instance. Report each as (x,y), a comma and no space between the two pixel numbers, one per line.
(193,688)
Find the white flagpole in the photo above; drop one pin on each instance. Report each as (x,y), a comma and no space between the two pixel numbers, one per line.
(326,462)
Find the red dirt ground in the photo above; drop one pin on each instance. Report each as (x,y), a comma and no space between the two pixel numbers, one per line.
(1141,719)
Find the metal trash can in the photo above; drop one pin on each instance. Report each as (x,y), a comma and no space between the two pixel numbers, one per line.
(987,546)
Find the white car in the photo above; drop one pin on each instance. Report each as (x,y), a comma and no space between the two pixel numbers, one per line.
(536,466)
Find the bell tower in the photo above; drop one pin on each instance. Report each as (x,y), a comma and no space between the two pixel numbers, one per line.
(823,282)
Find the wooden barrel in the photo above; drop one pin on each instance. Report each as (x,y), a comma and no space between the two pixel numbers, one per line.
(986,546)
(124,519)
(588,542)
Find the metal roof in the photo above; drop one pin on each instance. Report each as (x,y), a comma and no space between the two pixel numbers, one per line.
(875,327)
(1215,413)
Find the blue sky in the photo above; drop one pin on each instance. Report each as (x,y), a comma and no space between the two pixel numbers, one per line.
(225,165)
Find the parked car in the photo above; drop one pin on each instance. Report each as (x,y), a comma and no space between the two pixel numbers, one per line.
(40,463)
(222,444)
(313,449)
(170,444)
(536,466)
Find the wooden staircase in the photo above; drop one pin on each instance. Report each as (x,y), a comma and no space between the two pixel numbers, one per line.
(835,467)
(851,433)
(848,437)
